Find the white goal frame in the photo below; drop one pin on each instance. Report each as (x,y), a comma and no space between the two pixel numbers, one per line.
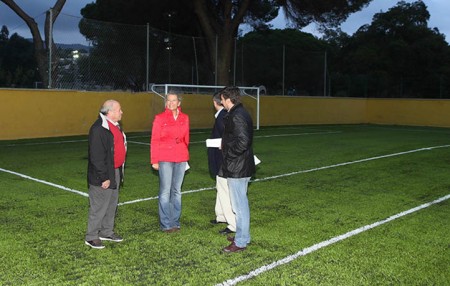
(242,88)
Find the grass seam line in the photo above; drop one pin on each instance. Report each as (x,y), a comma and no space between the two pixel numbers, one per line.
(331,241)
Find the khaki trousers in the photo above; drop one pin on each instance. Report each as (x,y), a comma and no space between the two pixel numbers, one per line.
(223,209)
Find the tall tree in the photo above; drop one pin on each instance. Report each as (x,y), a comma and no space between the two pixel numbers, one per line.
(397,55)
(221,19)
(41,46)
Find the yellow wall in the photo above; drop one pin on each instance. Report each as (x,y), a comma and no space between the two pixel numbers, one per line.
(421,112)
(53,113)
(50,113)
(286,110)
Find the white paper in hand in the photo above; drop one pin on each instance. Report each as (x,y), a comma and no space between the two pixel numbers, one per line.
(214,143)
(257,161)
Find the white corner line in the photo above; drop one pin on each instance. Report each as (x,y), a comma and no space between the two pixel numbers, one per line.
(323,244)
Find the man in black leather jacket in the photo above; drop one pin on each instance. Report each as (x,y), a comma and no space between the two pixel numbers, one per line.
(238,163)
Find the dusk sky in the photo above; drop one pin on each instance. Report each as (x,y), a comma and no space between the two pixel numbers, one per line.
(66,26)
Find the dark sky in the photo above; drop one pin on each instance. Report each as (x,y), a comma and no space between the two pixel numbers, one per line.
(66,26)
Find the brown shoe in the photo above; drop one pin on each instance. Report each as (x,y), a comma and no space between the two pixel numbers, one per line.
(233,248)
(230,238)
(170,230)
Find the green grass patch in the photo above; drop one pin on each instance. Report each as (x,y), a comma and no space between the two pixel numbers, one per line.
(314,183)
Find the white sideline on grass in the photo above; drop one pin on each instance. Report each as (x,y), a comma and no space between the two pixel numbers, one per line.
(212,188)
(261,136)
(305,171)
(322,244)
(45,182)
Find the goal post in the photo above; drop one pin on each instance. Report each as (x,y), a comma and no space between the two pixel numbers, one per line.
(250,91)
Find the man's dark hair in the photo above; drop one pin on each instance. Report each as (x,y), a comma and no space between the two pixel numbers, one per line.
(233,93)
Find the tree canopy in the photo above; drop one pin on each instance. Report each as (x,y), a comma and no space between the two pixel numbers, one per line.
(397,55)
(17,64)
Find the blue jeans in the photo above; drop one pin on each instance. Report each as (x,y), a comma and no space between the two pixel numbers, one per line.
(171,177)
(239,203)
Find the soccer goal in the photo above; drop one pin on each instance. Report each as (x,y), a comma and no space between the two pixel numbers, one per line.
(250,91)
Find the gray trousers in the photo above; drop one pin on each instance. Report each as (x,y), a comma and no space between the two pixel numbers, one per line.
(102,210)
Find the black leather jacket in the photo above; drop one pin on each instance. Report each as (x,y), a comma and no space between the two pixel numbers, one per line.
(237,142)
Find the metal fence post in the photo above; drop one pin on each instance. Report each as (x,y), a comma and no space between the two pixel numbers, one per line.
(49,48)
(147,56)
(284,68)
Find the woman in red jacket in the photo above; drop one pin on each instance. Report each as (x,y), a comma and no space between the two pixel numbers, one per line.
(169,155)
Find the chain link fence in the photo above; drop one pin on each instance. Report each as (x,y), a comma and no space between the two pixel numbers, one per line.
(116,56)
(133,57)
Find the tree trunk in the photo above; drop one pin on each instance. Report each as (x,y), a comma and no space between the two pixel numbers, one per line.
(40,49)
(224,61)
(225,28)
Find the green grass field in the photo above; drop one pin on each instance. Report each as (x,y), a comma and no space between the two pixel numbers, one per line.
(315,185)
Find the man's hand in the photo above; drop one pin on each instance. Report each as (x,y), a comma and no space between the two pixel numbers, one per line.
(155,166)
(106,184)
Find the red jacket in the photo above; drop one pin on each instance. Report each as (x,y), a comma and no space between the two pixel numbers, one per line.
(170,138)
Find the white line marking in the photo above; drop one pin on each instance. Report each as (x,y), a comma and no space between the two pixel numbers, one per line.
(143,143)
(43,143)
(298,134)
(436,130)
(350,163)
(149,134)
(304,171)
(136,142)
(212,188)
(155,198)
(323,244)
(262,136)
(45,182)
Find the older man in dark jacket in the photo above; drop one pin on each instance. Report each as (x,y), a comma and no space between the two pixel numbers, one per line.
(107,151)
(238,163)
